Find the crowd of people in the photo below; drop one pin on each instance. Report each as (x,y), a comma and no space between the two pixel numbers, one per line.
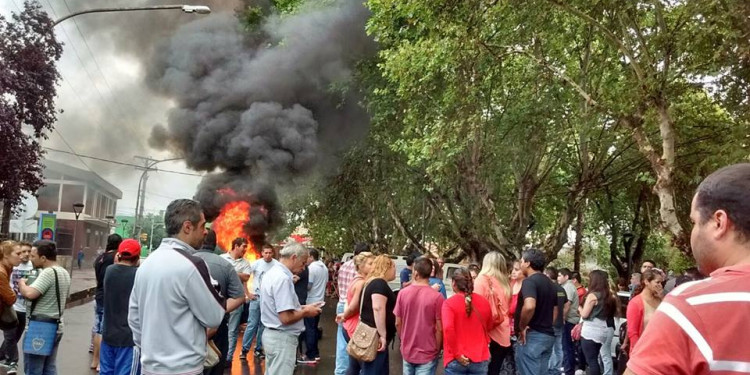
(505,317)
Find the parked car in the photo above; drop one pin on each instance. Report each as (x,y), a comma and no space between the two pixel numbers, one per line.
(400,265)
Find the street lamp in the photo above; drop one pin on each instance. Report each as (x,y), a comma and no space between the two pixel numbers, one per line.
(77,210)
(140,197)
(197,9)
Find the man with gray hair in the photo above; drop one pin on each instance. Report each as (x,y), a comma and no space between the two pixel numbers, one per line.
(171,310)
(281,312)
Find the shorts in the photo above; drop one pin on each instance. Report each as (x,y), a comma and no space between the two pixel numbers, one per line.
(98,320)
(119,360)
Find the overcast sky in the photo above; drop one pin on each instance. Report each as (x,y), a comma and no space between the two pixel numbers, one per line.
(108,111)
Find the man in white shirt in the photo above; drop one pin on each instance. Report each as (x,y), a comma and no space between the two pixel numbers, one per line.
(315,295)
(235,257)
(254,325)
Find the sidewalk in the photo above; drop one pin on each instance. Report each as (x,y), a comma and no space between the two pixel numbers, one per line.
(82,286)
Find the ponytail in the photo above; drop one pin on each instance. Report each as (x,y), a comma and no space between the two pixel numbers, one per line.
(464,283)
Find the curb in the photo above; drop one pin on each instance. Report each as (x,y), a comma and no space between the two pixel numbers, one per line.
(81,297)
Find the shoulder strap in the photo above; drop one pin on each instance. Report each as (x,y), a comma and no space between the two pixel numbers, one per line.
(57,292)
(362,297)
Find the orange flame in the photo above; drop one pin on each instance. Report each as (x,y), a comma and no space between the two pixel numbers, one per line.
(228,226)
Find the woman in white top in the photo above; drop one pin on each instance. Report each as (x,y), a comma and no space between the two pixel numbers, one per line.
(598,306)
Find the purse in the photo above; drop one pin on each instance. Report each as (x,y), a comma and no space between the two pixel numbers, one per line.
(41,333)
(212,355)
(363,345)
(575,334)
(8,318)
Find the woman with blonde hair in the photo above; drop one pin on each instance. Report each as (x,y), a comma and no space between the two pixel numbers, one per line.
(10,256)
(350,316)
(378,303)
(492,284)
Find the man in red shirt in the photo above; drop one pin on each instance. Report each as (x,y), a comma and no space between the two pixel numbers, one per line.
(699,327)
(417,311)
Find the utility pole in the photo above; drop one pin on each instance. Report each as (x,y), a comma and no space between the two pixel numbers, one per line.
(148,164)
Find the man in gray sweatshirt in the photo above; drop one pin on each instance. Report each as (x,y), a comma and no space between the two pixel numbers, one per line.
(174,300)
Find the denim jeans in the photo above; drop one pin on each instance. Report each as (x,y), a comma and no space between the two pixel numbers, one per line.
(556,359)
(354,367)
(378,366)
(41,364)
(9,350)
(423,369)
(342,357)
(605,354)
(474,368)
(311,337)
(569,349)
(253,326)
(533,357)
(234,330)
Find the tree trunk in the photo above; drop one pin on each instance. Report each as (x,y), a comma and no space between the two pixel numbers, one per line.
(5,227)
(577,246)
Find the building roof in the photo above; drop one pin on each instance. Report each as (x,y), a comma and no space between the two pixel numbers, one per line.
(52,167)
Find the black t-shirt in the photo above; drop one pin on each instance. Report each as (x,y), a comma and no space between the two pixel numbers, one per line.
(562,298)
(379,286)
(300,287)
(539,287)
(118,283)
(100,267)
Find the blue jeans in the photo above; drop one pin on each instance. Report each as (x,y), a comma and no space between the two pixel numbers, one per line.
(423,369)
(605,354)
(342,357)
(556,359)
(253,326)
(311,337)
(41,364)
(474,368)
(533,357)
(234,329)
(569,349)
(378,366)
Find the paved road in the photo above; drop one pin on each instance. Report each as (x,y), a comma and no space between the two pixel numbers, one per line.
(74,358)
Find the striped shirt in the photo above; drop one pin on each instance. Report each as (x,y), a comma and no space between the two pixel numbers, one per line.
(699,328)
(347,272)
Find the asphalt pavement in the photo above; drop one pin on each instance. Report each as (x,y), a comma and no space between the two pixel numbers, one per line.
(73,357)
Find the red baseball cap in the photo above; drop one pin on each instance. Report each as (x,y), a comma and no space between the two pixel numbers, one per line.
(129,248)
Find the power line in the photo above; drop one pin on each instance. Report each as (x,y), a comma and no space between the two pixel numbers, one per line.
(121,162)
(71,149)
(88,74)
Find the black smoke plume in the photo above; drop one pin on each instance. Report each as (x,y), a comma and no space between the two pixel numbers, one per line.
(264,108)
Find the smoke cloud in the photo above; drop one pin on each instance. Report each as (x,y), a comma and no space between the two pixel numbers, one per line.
(259,109)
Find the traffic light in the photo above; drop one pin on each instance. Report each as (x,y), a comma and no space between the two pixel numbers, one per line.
(144,237)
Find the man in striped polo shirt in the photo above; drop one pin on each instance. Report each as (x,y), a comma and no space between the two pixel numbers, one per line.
(700,326)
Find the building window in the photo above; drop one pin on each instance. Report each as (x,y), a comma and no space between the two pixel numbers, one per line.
(48,197)
(71,194)
(90,194)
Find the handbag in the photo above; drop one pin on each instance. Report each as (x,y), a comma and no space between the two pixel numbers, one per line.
(212,355)
(8,318)
(363,345)
(497,315)
(42,331)
(575,334)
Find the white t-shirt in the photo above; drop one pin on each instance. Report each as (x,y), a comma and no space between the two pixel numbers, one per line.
(241,265)
(260,267)
(318,281)
(19,272)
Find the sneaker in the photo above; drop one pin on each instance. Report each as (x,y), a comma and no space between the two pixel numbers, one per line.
(317,359)
(12,368)
(260,354)
(306,361)
(243,355)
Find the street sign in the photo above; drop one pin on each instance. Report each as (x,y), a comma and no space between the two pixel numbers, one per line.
(47,226)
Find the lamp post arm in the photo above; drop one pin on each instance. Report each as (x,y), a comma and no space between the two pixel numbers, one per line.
(120,9)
